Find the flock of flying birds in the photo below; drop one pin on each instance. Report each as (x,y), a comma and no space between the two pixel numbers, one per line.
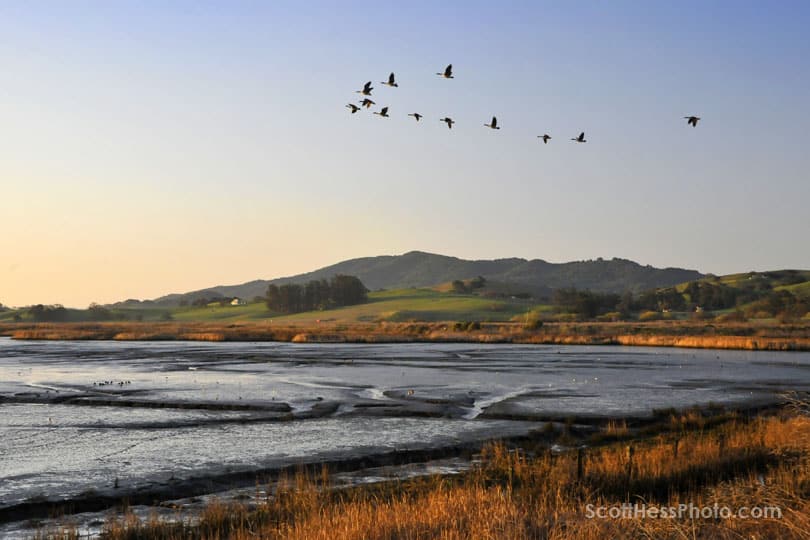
(448,74)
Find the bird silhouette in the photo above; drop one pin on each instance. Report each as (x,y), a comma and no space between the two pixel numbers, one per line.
(354,108)
(449,121)
(581,138)
(366,91)
(383,112)
(448,72)
(367,103)
(391,82)
(692,120)
(545,138)
(416,115)
(493,124)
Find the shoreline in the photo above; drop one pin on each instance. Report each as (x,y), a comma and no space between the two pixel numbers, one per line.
(703,335)
(573,431)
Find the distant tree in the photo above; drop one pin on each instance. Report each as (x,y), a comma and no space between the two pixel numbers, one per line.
(96,312)
(341,290)
(347,290)
(585,304)
(272,297)
(625,305)
(315,296)
(478,282)
(458,287)
(54,313)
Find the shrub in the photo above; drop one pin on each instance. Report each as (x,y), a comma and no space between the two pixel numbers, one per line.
(733,316)
(649,316)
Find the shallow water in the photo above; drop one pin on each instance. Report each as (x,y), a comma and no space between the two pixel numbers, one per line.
(76,416)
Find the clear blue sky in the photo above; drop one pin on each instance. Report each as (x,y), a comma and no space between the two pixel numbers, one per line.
(150,147)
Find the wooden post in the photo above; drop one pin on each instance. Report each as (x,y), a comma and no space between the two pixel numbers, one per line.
(580,463)
(675,445)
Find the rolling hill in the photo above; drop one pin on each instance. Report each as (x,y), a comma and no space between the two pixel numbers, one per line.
(420,269)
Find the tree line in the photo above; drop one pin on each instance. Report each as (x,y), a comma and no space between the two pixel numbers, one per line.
(340,290)
(760,299)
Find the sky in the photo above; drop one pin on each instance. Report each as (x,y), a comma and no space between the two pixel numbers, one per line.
(150,147)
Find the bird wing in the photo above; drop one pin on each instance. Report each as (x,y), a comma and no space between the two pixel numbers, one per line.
(581,135)
(391,79)
(367,86)
(384,110)
(494,121)
(448,70)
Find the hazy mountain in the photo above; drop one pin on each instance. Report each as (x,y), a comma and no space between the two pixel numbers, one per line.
(420,269)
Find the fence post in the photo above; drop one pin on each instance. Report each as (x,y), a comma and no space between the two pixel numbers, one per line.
(580,463)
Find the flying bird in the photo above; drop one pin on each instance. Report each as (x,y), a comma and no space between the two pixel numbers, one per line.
(581,138)
(367,103)
(416,115)
(449,121)
(391,82)
(366,91)
(545,138)
(353,107)
(693,120)
(448,72)
(493,124)
(383,112)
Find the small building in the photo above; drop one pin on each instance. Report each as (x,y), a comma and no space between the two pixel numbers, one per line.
(238,302)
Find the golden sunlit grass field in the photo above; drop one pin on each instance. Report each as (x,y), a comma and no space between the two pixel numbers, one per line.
(728,335)
(736,463)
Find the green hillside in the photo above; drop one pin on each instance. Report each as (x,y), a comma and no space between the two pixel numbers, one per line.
(782,295)
(395,306)
(778,293)
(418,269)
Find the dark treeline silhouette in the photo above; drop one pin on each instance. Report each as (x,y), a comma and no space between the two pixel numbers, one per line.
(54,313)
(95,312)
(339,291)
(460,287)
(586,304)
(753,297)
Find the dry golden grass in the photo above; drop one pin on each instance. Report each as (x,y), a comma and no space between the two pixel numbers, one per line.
(733,335)
(763,462)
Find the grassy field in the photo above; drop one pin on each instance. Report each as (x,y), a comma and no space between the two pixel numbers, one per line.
(395,306)
(435,304)
(799,289)
(758,466)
